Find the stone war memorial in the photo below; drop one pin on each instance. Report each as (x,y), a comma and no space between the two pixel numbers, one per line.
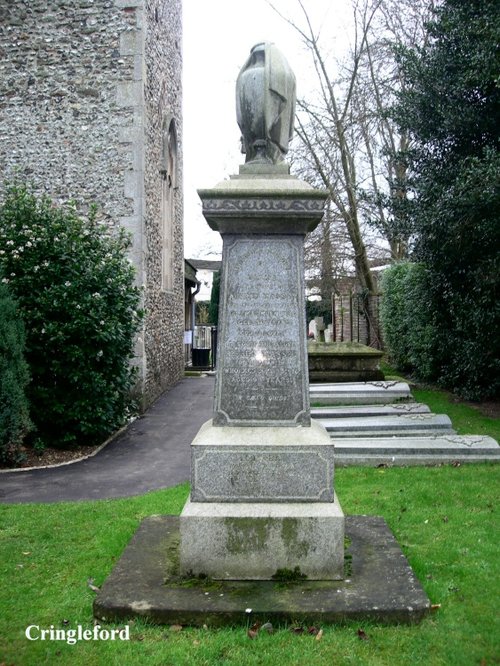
(263,534)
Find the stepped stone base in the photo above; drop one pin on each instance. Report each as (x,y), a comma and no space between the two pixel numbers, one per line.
(243,541)
(379,585)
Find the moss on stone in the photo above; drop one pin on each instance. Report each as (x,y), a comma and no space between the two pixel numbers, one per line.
(201,581)
(289,575)
(343,349)
(247,534)
(290,536)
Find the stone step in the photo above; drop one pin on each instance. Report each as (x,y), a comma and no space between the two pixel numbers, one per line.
(404,425)
(429,450)
(359,393)
(351,411)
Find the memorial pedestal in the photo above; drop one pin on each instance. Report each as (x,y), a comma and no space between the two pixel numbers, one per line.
(262,494)
(247,541)
(262,505)
(250,464)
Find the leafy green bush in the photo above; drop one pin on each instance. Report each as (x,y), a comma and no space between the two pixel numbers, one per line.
(393,315)
(407,319)
(319,309)
(437,332)
(75,288)
(14,377)
(213,308)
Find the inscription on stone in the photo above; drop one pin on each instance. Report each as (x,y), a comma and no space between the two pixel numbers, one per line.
(262,376)
(262,474)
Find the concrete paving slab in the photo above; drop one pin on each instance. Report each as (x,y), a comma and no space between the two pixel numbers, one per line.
(379,586)
(428,450)
(374,425)
(364,393)
(348,411)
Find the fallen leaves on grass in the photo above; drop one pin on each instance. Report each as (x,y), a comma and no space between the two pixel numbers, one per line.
(91,586)
(176,627)
(267,627)
(253,631)
(255,628)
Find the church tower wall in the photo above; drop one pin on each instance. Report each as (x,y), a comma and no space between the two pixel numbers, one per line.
(89,92)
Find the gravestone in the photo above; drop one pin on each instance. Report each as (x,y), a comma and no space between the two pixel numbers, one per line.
(320,328)
(262,503)
(312,328)
(262,495)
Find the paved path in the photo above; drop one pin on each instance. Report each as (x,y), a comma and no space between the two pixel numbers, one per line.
(152,453)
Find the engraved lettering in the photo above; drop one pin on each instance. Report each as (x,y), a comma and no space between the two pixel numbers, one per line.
(260,377)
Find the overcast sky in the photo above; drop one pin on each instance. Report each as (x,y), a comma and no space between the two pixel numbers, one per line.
(218,36)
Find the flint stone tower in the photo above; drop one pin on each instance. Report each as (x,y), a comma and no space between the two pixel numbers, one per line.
(262,496)
(90,110)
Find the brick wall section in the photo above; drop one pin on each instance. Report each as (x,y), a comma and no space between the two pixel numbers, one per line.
(83,86)
(356,320)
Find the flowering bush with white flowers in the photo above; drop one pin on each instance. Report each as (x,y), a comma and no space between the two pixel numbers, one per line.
(75,288)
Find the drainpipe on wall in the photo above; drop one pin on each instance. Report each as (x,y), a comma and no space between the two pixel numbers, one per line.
(193,312)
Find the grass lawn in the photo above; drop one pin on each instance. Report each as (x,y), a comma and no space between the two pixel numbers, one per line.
(445,518)
(466,420)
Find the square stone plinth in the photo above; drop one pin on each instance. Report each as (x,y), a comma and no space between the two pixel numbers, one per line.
(240,541)
(379,585)
(242,464)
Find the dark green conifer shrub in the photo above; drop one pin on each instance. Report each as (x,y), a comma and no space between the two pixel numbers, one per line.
(408,321)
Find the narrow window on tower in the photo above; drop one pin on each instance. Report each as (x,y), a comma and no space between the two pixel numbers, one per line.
(168,172)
